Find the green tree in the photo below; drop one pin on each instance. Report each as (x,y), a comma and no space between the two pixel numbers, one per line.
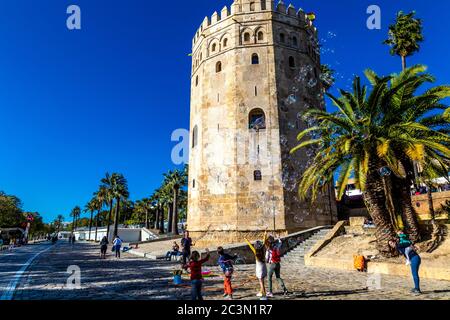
(90,207)
(371,136)
(176,180)
(118,190)
(10,211)
(405,36)
(75,214)
(107,184)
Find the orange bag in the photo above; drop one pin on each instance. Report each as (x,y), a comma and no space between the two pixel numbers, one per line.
(359,262)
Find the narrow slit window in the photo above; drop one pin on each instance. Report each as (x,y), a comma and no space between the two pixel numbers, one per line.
(218,67)
(282,38)
(291,62)
(256,91)
(246,37)
(257,175)
(255,59)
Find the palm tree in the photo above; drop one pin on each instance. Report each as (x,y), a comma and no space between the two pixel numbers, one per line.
(176,180)
(75,214)
(90,207)
(119,192)
(165,201)
(371,137)
(58,223)
(405,36)
(107,183)
(327,76)
(154,199)
(101,197)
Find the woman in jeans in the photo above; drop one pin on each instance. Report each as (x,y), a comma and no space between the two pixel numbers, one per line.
(415,260)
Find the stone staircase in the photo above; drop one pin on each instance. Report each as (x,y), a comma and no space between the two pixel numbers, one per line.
(297,255)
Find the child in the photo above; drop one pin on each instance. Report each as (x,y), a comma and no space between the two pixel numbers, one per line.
(195,265)
(226,263)
(261,268)
(273,258)
(405,243)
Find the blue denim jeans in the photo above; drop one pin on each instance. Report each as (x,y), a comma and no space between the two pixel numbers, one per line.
(415,265)
(196,291)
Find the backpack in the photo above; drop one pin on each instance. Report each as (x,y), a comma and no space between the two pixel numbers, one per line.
(359,262)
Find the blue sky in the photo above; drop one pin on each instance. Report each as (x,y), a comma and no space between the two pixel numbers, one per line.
(76,104)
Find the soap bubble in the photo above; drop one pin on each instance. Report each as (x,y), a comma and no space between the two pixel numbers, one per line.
(299,116)
(312,83)
(291,99)
(298,219)
(291,126)
(284,107)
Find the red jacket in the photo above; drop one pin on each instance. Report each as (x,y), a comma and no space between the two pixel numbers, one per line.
(196,268)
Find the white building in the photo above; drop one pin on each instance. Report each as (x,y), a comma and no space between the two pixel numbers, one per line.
(126,234)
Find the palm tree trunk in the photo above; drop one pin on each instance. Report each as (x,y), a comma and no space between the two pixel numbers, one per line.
(90,225)
(403,63)
(430,203)
(146,218)
(96,224)
(175,212)
(161,220)
(375,200)
(169,217)
(116,218)
(157,218)
(109,218)
(403,194)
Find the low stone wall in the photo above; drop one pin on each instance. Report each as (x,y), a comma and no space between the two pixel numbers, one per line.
(246,255)
(421,206)
(156,240)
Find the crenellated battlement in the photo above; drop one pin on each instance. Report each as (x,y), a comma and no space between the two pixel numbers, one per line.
(255,6)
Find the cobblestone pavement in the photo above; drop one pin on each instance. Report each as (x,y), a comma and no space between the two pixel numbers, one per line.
(141,279)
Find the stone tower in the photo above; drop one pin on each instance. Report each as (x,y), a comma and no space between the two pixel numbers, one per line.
(255,70)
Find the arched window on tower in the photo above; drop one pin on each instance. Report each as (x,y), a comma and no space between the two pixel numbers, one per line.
(294,41)
(218,67)
(225,42)
(252,6)
(246,37)
(282,38)
(196,80)
(257,119)
(194,137)
(260,36)
(291,62)
(214,47)
(255,59)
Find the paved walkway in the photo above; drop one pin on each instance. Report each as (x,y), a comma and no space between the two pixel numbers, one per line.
(13,263)
(140,279)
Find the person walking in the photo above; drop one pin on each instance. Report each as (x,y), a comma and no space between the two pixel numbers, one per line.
(195,265)
(226,264)
(414,259)
(186,244)
(117,244)
(103,247)
(273,258)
